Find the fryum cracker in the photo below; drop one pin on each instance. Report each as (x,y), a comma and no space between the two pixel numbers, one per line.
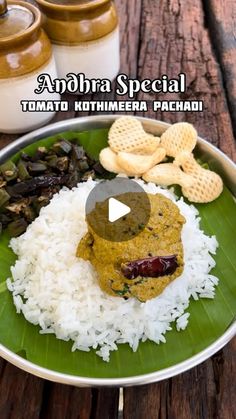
(108,160)
(135,153)
(140,164)
(127,135)
(207,185)
(167,174)
(179,137)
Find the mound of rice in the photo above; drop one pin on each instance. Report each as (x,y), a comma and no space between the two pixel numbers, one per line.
(58,291)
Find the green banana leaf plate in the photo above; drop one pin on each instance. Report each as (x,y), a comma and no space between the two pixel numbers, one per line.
(212,322)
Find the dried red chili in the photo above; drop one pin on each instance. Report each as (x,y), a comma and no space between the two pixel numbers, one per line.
(152,267)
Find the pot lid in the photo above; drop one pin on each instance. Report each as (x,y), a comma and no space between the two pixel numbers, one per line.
(67,4)
(14,19)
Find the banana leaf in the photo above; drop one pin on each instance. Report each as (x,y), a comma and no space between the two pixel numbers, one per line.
(209,319)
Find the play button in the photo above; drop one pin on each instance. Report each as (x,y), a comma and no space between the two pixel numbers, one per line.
(117,209)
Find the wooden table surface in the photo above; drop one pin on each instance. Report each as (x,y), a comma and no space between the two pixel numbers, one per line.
(158,37)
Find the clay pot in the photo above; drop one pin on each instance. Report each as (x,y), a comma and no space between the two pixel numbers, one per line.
(84,35)
(25,53)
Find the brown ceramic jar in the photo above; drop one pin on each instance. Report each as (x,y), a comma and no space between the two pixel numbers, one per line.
(25,52)
(85,36)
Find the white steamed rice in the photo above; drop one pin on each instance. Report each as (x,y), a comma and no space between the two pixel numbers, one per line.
(58,291)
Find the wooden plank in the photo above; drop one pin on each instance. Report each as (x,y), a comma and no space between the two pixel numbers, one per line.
(221,22)
(200,392)
(61,401)
(105,403)
(6,139)
(2,366)
(130,18)
(20,393)
(144,402)
(174,40)
(224,371)
(207,391)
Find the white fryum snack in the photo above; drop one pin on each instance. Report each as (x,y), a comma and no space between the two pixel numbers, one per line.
(167,174)
(179,137)
(139,164)
(108,160)
(207,185)
(127,134)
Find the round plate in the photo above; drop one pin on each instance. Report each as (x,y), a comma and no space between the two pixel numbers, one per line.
(217,160)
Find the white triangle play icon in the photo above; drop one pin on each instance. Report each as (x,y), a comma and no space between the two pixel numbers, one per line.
(117,210)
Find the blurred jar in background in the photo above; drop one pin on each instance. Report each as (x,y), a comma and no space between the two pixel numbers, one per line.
(85,36)
(25,52)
